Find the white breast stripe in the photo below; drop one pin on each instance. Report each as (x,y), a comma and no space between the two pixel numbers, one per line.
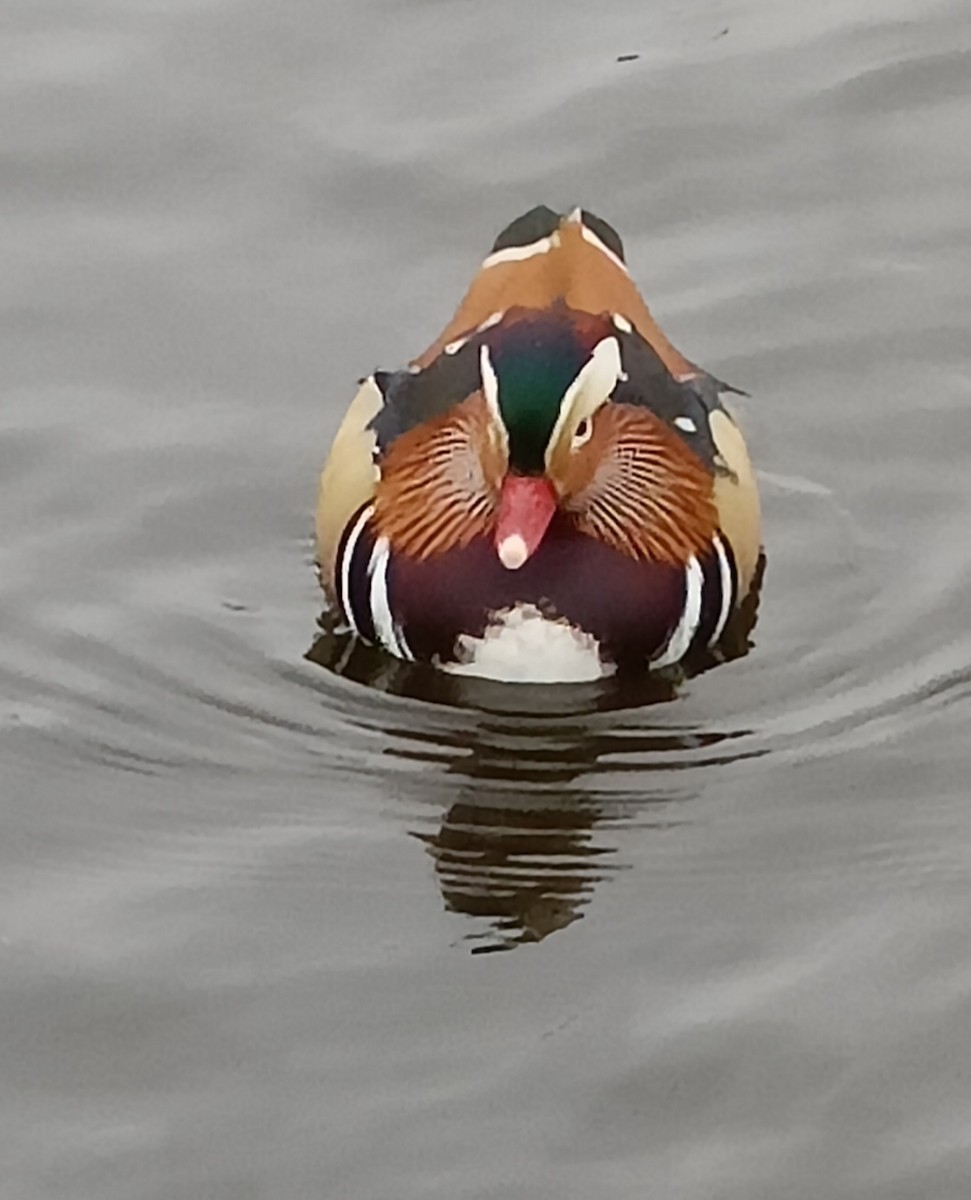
(728,590)
(388,632)
(346,560)
(686,628)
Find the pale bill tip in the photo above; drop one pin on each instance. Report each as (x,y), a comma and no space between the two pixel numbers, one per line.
(513,552)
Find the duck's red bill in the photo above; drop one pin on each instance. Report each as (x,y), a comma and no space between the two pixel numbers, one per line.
(526,507)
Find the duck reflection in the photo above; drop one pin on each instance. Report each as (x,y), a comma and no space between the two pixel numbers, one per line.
(522,847)
(525,872)
(526,799)
(517,848)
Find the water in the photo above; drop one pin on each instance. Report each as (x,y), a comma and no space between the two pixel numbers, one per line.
(267,931)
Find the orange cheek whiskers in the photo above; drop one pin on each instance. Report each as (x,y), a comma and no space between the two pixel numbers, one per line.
(648,496)
(436,491)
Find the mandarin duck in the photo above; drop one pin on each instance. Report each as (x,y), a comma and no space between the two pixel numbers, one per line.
(551,491)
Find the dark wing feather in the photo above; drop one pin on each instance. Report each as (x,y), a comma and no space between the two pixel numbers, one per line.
(607,234)
(539,222)
(650,385)
(413,397)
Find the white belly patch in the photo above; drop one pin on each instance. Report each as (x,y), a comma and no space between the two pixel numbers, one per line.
(521,645)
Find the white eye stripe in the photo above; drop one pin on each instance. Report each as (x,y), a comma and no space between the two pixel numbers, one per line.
(686,423)
(598,377)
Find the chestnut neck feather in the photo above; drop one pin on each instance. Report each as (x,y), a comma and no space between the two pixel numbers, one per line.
(645,493)
(440,482)
(635,486)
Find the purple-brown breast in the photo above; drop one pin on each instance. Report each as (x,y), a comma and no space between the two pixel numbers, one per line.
(630,607)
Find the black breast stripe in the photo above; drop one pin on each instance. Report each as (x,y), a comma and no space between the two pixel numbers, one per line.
(719,587)
(353,582)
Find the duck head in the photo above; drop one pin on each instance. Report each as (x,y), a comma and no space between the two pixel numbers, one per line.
(541,435)
(533,380)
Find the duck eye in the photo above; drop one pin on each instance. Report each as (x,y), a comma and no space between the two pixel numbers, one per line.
(582,432)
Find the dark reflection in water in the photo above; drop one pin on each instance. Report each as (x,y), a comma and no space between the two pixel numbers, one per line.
(518,846)
(523,856)
(526,871)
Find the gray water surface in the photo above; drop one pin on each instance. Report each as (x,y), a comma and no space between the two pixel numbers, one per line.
(269,932)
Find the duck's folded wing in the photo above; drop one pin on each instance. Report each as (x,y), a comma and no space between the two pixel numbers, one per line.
(543,259)
(413,397)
